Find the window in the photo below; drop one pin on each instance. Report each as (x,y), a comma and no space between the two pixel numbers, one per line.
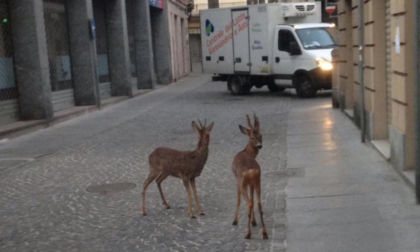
(8,90)
(285,37)
(317,38)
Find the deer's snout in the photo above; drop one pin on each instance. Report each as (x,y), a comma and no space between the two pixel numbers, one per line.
(259,146)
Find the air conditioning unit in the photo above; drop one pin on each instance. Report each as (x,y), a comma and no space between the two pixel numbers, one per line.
(298,9)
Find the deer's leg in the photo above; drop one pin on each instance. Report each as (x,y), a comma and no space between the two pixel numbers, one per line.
(258,191)
(238,204)
(253,222)
(187,188)
(149,180)
(250,207)
(199,210)
(159,181)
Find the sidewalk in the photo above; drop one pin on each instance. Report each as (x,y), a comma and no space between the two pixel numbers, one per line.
(350,198)
(21,128)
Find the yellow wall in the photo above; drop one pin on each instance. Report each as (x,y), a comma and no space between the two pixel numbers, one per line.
(375,66)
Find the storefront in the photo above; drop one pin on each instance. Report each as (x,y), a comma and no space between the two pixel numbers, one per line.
(99,13)
(58,44)
(128,45)
(9,108)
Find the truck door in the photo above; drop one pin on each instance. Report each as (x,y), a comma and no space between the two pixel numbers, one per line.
(285,64)
(241,47)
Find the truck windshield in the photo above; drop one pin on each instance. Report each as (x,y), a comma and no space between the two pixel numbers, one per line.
(317,38)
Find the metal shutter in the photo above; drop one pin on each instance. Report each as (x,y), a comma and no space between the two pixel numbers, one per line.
(58,44)
(9,111)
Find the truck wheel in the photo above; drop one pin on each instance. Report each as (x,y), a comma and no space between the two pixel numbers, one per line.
(305,86)
(237,85)
(273,88)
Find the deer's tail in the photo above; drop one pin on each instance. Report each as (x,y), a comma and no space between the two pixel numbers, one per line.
(251,177)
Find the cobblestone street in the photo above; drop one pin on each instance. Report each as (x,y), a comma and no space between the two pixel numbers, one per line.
(322,189)
(45,205)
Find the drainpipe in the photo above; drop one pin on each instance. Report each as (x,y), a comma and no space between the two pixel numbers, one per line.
(361,73)
(417,98)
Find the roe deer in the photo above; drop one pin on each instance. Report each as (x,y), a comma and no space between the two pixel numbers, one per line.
(248,174)
(186,165)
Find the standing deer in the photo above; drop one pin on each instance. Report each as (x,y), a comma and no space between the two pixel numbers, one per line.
(248,174)
(186,165)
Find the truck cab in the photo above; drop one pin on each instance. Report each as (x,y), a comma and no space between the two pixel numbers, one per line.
(302,57)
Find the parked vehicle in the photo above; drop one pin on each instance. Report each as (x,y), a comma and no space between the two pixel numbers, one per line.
(276,45)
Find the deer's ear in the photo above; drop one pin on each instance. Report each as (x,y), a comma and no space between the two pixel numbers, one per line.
(210,127)
(244,130)
(256,123)
(196,128)
(248,120)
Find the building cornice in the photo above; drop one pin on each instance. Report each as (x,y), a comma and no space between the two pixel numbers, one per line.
(180,3)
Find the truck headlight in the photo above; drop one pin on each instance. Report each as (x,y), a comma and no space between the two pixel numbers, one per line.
(324,64)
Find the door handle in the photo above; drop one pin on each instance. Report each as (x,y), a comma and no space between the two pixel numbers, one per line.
(277,59)
(265,58)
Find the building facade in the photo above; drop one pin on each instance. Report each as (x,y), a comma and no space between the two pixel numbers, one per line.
(178,20)
(386,84)
(57,54)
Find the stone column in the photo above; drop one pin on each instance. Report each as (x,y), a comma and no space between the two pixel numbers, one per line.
(83,52)
(402,130)
(31,59)
(119,58)
(143,43)
(375,70)
(162,43)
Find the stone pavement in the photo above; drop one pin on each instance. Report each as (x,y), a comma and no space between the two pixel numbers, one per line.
(323,190)
(45,205)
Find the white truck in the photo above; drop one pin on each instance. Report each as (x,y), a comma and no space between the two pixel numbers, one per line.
(278,45)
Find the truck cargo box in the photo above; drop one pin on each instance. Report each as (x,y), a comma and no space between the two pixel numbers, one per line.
(239,40)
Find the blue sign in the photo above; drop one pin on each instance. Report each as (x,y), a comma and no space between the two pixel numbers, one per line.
(93,28)
(156,3)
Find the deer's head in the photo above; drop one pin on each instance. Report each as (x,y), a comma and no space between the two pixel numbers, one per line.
(253,132)
(203,132)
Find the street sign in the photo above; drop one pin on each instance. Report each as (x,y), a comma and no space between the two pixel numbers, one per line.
(93,28)
(156,3)
(330,9)
(397,39)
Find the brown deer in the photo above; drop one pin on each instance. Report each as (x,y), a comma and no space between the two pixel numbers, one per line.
(248,174)
(186,165)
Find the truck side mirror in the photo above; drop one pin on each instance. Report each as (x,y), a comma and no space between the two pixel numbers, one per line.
(294,48)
